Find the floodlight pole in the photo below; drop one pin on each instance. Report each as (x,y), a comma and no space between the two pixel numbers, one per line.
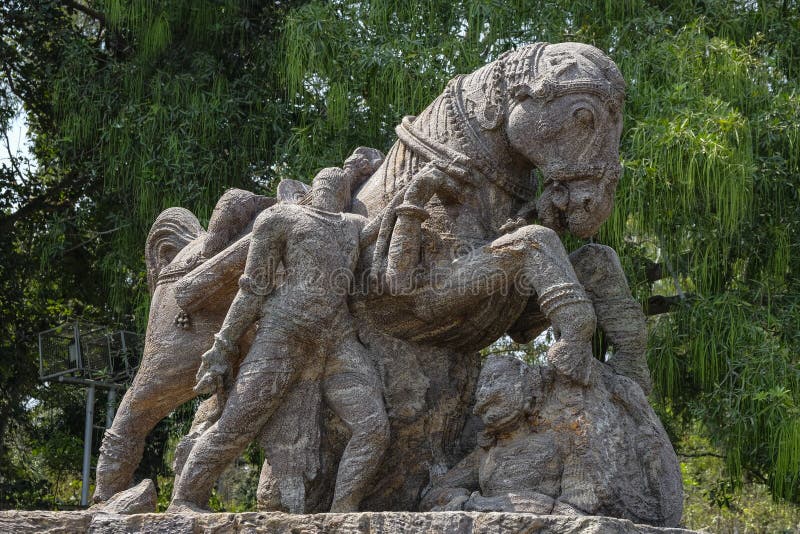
(92,385)
(80,373)
(87,445)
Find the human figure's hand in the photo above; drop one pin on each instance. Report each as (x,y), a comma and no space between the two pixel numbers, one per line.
(479,503)
(444,499)
(211,374)
(456,503)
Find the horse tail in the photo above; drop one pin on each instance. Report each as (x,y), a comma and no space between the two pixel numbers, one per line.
(173,229)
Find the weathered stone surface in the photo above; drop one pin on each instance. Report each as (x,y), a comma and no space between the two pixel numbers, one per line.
(50,522)
(140,499)
(368,323)
(372,523)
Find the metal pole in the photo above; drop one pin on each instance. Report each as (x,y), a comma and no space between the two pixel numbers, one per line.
(77,335)
(112,401)
(125,353)
(41,364)
(85,382)
(87,445)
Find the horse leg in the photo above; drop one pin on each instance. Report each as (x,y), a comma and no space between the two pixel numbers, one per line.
(142,407)
(163,382)
(531,260)
(619,315)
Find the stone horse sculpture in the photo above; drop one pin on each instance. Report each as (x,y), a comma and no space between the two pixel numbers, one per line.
(466,248)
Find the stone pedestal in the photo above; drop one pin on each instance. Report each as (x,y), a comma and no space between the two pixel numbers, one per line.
(368,522)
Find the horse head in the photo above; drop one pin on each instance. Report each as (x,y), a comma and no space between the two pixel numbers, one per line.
(556,108)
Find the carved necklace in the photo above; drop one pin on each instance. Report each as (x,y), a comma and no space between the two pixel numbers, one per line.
(454,162)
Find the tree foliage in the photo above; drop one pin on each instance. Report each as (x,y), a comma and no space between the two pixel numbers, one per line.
(138,106)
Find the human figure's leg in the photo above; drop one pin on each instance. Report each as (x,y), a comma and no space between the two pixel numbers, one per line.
(290,440)
(619,315)
(353,390)
(264,377)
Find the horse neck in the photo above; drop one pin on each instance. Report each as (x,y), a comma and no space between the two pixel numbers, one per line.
(441,123)
(483,132)
(402,163)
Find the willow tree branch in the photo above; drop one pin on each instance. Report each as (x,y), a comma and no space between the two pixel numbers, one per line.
(95,236)
(86,10)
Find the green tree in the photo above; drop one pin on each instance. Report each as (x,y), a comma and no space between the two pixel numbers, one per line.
(137,106)
(132,107)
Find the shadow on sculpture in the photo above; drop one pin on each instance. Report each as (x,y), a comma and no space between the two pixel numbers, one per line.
(457,244)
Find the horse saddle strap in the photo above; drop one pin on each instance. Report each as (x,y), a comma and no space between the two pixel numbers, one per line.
(447,159)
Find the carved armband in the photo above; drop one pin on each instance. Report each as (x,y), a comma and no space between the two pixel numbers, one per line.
(249,285)
(561,295)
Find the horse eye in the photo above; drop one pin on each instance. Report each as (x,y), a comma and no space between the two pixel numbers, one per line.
(585,117)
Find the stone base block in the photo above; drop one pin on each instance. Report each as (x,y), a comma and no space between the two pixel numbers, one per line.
(21,522)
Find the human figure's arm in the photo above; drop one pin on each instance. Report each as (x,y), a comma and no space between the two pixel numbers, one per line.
(454,488)
(267,245)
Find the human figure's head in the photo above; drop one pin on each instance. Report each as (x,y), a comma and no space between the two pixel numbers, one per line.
(330,190)
(361,164)
(505,394)
(333,187)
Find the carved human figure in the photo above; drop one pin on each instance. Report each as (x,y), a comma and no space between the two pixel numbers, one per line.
(302,323)
(551,446)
